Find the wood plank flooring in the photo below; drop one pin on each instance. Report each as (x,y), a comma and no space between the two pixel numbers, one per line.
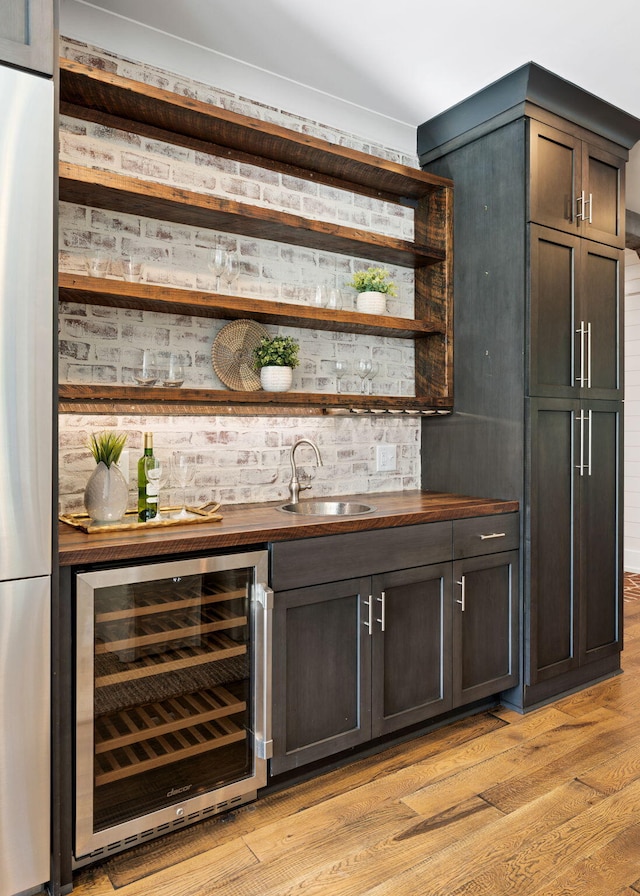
(543,804)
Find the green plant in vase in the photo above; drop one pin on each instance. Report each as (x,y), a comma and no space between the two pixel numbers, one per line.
(275,357)
(373,285)
(107,492)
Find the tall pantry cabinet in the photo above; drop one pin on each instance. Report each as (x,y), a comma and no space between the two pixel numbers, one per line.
(539,239)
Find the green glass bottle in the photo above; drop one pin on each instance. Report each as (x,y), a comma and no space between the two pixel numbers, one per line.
(145,510)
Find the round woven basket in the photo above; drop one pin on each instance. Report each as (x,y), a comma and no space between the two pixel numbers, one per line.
(232,354)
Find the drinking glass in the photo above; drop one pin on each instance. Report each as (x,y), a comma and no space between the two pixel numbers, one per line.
(216,262)
(231,269)
(173,374)
(147,373)
(363,369)
(340,368)
(320,298)
(154,471)
(183,473)
(131,269)
(334,299)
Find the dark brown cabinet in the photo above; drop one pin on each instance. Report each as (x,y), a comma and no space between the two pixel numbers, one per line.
(575,185)
(359,658)
(538,410)
(576,322)
(576,587)
(26,35)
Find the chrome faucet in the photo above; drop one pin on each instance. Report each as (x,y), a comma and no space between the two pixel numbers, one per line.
(294,486)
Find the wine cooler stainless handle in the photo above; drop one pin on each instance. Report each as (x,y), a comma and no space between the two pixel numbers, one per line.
(383,600)
(493,535)
(463,596)
(264,647)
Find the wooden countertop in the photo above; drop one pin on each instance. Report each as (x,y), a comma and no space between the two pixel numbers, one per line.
(252,524)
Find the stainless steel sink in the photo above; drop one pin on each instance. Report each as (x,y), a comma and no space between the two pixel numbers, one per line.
(327,508)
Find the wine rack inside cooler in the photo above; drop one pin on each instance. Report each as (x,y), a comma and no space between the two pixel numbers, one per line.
(172,673)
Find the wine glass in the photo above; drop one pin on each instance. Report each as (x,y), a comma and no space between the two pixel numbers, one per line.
(231,269)
(216,263)
(147,373)
(183,473)
(363,369)
(375,369)
(340,368)
(154,470)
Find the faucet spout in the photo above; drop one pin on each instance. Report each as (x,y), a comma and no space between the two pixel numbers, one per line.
(294,485)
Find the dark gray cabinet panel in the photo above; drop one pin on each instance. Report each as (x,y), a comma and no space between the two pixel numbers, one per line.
(575,185)
(27,35)
(485,626)
(575,317)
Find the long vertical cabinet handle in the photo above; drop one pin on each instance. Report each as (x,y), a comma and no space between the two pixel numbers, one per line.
(463,596)
(369,622)
(582,331)
(581,465)
(590,442)
(588,355)
(382,600)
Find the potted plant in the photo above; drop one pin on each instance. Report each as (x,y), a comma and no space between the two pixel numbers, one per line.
(107,492)
(275,357)
(373,286)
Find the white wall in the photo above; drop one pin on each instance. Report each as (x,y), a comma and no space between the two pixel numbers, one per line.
(632,414)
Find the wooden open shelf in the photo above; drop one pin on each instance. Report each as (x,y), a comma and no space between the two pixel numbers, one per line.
(133,106)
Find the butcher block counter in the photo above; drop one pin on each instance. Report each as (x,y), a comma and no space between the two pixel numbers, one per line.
(250,524)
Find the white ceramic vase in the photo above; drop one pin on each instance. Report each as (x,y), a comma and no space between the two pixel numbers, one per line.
(106,494)
(276,379)
(372,302)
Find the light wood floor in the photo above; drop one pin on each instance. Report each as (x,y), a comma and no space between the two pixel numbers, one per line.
(545,804)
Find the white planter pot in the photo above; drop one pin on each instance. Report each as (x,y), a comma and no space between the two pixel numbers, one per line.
(276,379)
(372,302)
(106,494)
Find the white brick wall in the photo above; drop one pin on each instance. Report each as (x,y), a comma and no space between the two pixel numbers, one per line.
(632,414)
(243,459)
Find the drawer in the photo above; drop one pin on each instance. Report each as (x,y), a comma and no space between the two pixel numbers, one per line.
(486,535)
(330,558)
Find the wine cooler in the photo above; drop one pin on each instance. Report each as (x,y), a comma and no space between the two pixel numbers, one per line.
(173,696)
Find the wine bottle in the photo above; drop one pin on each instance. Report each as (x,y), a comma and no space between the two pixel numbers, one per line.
(146,510)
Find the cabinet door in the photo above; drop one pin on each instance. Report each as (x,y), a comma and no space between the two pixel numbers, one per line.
(575,317)
(555,160)
(411,637)
(603,176)
(26,34)
(321,672)
(551,639)
(600,532)
(485,626)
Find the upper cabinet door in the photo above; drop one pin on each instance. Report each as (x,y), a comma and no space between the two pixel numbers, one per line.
(26,35)
(575,186)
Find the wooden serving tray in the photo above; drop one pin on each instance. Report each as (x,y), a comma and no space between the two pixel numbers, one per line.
(204,514)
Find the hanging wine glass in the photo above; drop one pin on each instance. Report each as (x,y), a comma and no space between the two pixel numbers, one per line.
(183,467)
(375,369)
(216,263)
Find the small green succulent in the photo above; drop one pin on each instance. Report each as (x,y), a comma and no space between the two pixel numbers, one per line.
(276,351)
(373,280)
(107,447)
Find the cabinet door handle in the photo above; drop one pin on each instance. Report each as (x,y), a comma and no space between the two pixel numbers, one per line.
(493,535)
(585,465)
(463,595)
(582,333)
(589,355)
(383,600)
(590,418)
(580,466)
(369,622)
(582,203)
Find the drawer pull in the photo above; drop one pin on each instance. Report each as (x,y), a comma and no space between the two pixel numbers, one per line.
(493,535)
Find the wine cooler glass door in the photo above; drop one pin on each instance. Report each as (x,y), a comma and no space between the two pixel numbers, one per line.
(173,688)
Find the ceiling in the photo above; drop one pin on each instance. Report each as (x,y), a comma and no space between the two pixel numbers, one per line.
(406,60)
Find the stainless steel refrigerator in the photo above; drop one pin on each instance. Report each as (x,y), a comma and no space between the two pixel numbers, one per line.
(26,311)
